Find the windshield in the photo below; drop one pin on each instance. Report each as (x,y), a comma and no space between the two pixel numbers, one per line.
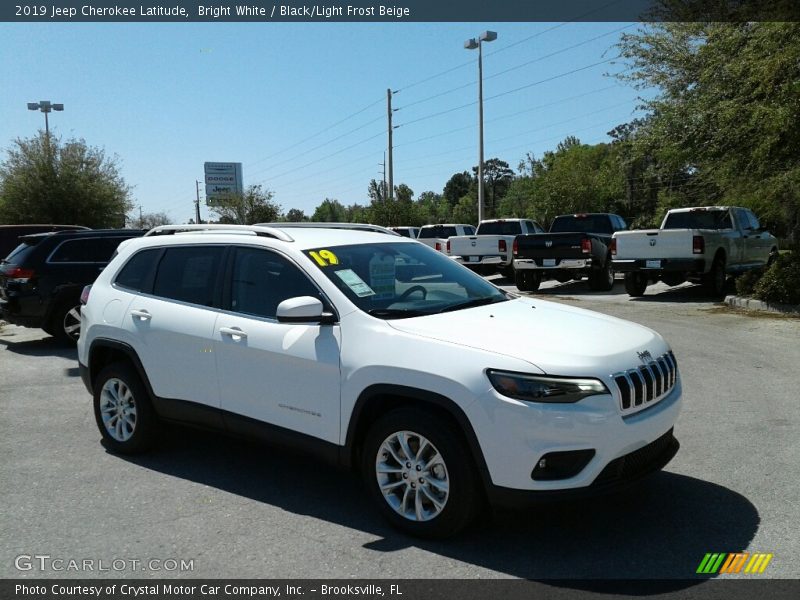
(400,280)
(500,228)
(582,224)
(699,219)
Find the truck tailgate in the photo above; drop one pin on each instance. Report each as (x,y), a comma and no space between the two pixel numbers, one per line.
(476,245)
(654,243)
(550,245)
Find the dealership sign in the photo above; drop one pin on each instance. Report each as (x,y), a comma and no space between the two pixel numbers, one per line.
(222,179)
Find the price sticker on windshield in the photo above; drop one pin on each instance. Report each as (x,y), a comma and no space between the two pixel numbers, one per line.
(324,258)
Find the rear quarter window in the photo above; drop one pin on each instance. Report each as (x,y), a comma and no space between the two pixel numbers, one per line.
(134,275)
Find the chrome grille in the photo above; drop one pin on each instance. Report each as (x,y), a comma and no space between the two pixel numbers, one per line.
(648,383)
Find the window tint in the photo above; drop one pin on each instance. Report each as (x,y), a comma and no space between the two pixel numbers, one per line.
(440,231)
(22,252)
(86,250)
(134,274)
(754,224)
(699,219)
(500,228)
(744,220)
(188,274)
(581,224)
(468,230)
(263,279)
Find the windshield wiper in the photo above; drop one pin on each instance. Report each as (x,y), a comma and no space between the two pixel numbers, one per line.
(396,313)
(473,303)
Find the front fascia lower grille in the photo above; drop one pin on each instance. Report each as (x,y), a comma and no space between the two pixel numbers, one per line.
(642,387)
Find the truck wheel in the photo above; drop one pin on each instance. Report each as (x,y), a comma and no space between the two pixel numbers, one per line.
(418,471)
(714,280)
(773,256)
(122,410)
(635,284)
(602,280)
(527,281)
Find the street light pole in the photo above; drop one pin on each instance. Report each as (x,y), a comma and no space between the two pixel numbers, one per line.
(472,44)
(45,106)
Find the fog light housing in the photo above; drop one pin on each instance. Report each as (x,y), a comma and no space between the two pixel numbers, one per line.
(561,465)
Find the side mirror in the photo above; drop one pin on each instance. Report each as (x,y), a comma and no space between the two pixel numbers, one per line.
(303,309)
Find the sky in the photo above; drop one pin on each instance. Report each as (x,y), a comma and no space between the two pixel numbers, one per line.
(303,105)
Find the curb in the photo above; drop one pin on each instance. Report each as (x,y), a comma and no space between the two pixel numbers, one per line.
(758,305)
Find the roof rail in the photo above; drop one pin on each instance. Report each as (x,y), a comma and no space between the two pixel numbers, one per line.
(259,230)
(323,225)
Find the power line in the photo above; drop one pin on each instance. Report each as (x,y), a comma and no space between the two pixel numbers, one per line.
(320,132)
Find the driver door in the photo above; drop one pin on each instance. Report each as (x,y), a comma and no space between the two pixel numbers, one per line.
(284,374)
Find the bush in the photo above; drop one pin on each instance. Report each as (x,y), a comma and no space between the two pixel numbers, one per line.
(781,283)
(746,283)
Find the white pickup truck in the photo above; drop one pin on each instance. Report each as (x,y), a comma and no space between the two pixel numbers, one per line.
(489,249)
(436,236)
(702,244)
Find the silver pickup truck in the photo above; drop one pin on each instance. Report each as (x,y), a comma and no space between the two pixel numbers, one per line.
(701,244)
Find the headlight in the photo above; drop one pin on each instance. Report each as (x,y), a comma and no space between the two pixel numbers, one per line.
(541,388)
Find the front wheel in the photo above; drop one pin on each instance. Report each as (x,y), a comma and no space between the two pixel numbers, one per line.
(418,471)
(635,284)
(122,410)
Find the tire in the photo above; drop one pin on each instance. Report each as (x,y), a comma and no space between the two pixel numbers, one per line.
(65,323)
(714,280)
(527,281)
(602,280)
(119,392)
(773,256)
(635,284)
(425,510)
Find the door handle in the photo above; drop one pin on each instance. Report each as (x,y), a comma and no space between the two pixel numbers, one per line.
(234,332)
(141,314)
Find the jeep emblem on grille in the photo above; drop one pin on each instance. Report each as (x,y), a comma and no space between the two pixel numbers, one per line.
(548,244)
(645,356)
(653,242)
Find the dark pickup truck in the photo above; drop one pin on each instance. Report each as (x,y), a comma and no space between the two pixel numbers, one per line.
(576,246)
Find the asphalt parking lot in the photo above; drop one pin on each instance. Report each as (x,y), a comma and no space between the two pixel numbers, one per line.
(240,510)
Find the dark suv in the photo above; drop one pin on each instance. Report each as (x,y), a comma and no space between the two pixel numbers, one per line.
(42,279)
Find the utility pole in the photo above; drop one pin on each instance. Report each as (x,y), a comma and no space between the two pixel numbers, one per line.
(141,221)
(197,202)
(391,165)
(384,175)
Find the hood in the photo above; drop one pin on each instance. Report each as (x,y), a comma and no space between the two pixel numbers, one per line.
(558,339)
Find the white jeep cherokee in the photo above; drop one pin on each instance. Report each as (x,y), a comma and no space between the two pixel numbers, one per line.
(379,353)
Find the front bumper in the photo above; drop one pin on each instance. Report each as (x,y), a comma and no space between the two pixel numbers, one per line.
(656,265)
(567,264)
(515,435)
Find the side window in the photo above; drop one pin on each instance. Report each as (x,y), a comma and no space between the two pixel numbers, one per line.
(469,230)
(754,224)
(621,224)
(86,250)
(134,274)
(263,279)
(189,274)
(742,218)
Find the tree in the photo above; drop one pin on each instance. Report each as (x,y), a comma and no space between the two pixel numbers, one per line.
(295,215)
(330,211)
(497,177)
(149,220)
(726,121)
(255,205)
(458,185)
(45,180)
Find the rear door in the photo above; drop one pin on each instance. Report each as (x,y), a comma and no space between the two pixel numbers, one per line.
(172,324)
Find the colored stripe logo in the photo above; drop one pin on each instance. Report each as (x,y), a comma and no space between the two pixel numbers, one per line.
(727,563)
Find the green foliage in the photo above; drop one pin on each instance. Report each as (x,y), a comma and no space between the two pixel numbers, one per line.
(781,283)
(746,283)
(457,186)
(295,215)
(45,180)
(255,205)
(148,220)
(330,211)
(466,211)
(497,177)
(727,119)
